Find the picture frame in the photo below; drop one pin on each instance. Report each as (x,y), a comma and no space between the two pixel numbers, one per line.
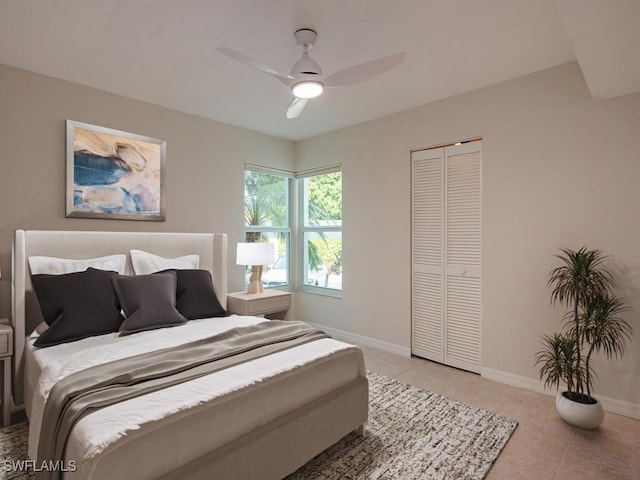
(112,174)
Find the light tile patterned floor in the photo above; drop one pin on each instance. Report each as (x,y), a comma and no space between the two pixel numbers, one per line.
(543,446)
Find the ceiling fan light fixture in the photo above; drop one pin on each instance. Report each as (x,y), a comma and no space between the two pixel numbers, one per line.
(306,79)
(307,89)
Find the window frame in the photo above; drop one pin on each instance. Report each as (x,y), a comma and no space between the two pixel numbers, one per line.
(297,254)
(302,229)
(289,230)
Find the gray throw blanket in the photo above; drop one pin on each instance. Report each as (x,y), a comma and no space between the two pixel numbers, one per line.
(93,388)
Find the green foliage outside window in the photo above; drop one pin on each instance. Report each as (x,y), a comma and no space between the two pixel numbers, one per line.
(325,197)
(265,205)
(323,201)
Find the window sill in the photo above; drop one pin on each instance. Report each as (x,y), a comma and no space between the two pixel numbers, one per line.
(281,288)
(325,292)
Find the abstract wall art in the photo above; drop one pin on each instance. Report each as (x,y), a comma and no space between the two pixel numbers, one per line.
(113,174)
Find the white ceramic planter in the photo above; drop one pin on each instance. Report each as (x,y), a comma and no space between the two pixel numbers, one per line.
(579,414)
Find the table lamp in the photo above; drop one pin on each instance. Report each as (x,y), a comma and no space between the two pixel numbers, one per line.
(257,255)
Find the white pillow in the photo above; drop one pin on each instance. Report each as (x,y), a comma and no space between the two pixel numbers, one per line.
(59,266)
(145,263)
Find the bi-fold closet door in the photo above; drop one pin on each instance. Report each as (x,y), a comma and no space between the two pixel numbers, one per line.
(445,211)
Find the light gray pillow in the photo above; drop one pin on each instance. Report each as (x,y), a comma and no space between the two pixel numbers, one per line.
(148,302)
(59,266)
(145,263)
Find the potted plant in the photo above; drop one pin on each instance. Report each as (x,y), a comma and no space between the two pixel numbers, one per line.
(592,325)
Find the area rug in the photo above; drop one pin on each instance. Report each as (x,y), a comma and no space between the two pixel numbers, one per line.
(414,434)
(411,434)
(13,449)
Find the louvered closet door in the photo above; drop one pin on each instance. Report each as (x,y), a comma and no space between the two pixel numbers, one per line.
(462,247)
(445,214)
(427,190)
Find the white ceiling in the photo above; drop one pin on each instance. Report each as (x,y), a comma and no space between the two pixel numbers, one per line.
(163,51)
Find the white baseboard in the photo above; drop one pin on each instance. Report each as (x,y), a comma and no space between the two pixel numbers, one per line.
(621,407)
(515,380)
(612,405)
(362,340)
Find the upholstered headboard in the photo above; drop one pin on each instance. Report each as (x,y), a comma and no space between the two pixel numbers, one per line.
(25,311)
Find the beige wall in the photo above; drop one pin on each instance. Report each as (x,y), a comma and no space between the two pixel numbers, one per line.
(559,170)
(205,163)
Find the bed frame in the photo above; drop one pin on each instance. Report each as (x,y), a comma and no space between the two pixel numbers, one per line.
(272,450)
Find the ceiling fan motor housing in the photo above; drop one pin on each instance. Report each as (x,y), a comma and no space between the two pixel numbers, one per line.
(306,38)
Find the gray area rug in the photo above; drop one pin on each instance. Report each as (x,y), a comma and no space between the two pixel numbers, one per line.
(411,434)
(13,448)
(414,434)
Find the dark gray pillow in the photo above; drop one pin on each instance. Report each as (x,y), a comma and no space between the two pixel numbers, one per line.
(148,301)
(195,297)
(76,305)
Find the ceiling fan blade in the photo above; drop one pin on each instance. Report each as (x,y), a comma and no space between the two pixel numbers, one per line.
(296,107)
(363,71)
(257,64)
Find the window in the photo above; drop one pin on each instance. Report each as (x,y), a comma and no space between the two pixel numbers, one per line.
(321,231)
(267,218)
(317,233)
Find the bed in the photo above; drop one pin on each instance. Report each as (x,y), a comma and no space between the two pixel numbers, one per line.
(260,419)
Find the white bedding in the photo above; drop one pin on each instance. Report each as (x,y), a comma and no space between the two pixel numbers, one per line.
(112,438)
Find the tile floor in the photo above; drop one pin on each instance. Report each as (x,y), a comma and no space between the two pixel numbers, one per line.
(543,446)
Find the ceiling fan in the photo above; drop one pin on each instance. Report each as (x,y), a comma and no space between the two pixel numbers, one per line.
(306,79)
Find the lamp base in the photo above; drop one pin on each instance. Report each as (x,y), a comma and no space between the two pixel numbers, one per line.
(255,281)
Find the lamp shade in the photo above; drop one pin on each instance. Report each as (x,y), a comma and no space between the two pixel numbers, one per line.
(256,253)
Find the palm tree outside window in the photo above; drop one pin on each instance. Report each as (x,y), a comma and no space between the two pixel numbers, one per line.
(267,218)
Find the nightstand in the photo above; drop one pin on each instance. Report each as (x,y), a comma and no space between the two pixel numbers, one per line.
(6,351)
(269,301)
